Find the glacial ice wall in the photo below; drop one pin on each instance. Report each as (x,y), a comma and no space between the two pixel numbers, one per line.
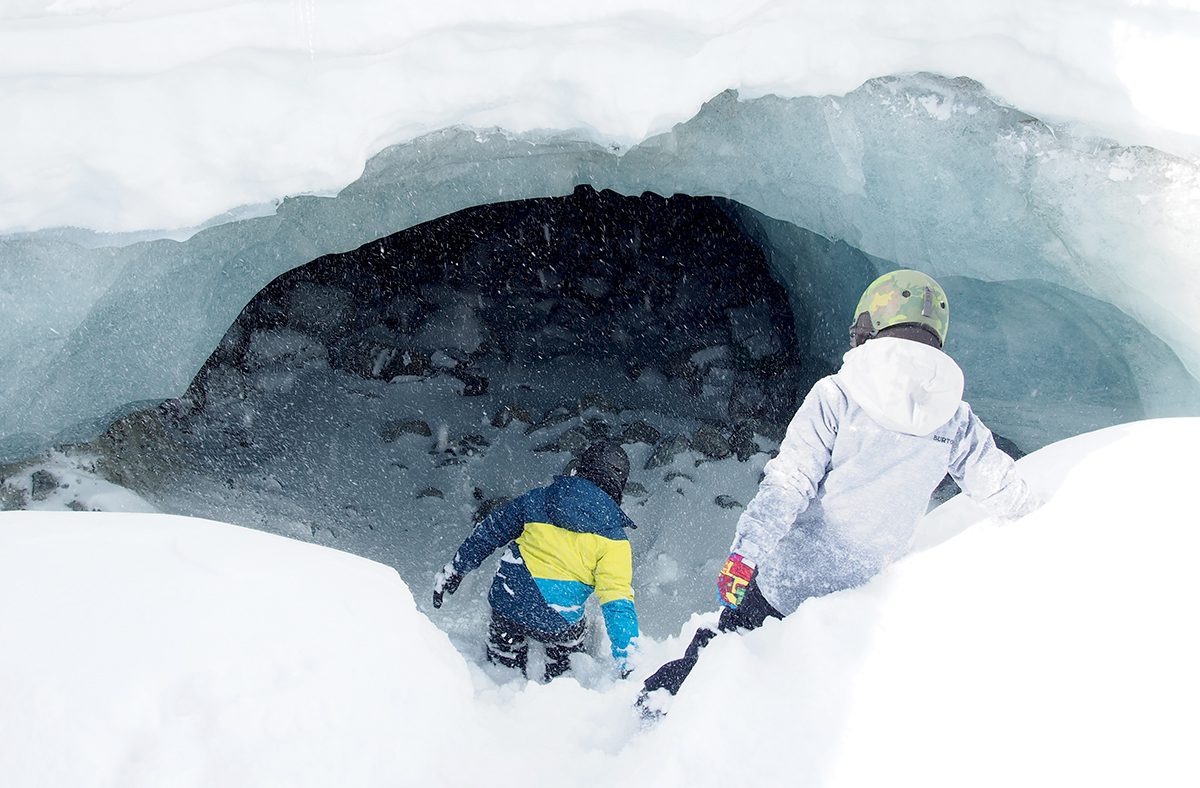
(915,170)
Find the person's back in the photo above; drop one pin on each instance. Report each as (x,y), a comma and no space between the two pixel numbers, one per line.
(565,542)
(877,437)
(858,464)
(571,544)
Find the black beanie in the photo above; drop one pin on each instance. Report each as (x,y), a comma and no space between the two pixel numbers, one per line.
(605,465)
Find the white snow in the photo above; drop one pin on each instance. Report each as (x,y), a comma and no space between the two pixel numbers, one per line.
(127,116)
(160,650)
(149,650)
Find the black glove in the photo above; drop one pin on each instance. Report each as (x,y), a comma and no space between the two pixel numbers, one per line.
(445,582)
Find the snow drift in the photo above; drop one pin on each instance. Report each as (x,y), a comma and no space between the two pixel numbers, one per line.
(131,115)
(151,650)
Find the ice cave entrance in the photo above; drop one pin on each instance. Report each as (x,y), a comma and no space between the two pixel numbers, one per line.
(637,302)
(384,399)
(380,400)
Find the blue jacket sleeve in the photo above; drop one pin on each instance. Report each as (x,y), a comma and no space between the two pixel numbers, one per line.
(494,531)
(620,619)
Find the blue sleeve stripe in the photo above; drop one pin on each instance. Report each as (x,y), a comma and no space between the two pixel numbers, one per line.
(620,618)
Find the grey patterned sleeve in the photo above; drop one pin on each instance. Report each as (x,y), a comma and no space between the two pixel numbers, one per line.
(791,479)
(986,473)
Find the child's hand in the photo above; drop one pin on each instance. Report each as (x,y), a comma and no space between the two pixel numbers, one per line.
(733,580)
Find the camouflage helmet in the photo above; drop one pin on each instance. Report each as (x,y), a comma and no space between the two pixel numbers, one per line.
(899,298)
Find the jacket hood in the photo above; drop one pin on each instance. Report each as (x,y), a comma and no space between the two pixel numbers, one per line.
(902,385)
(576,504)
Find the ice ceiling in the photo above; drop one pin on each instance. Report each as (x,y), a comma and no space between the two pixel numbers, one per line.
(1070,261)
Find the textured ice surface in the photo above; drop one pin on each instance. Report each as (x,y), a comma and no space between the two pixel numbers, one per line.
(923,171)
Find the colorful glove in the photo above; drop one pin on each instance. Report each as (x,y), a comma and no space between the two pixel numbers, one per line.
(445,582)
(732,582)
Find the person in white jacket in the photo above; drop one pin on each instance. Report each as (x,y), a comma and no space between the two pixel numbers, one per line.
(856,469)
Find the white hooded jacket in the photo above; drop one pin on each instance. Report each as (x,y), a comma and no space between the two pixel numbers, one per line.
(855,471)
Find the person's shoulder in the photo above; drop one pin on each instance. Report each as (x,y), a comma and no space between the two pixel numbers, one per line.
(612,521)
(530,498)
(964,413)
(606,517)
(624,522)
(958,425)
(829,390)
(830,384)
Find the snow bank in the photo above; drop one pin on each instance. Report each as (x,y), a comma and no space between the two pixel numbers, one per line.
(1058,650)
(157,650)
(1055,651)
(138,114)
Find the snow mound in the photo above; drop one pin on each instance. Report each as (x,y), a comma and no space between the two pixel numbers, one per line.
(1058,650)
(161,650)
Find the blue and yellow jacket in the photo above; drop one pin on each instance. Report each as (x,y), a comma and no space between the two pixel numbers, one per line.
(565,541)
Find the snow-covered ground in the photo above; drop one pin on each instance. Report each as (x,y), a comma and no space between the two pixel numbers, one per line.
(151,650)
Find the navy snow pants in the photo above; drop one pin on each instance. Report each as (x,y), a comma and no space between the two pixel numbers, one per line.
(508,645)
